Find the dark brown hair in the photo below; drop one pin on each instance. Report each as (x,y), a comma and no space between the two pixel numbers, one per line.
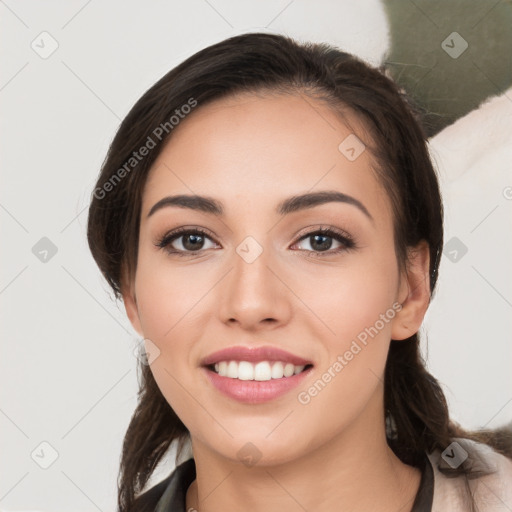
(261,62)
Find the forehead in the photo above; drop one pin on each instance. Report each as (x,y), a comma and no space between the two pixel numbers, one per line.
(260,148)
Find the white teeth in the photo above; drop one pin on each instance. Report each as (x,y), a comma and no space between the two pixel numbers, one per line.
(245,370)
(264,370)
(232,370)
(288,370)
(223,368)
(277,370)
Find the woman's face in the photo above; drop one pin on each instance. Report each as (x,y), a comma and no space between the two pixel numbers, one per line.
(261,277)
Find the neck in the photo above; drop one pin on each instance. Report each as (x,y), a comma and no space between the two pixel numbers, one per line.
(354,471)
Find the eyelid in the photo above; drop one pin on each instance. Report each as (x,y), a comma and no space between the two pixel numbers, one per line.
(311,230)
(174,234)
(344,238)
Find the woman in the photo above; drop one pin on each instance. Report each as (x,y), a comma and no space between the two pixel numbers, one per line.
(269,214)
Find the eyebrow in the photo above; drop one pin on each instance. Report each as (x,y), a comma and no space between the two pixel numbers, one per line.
(290,205)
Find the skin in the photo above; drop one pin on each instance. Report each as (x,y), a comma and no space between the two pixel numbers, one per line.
(250,152)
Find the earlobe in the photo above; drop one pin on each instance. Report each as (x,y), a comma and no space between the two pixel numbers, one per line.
(414,293)
(130,305)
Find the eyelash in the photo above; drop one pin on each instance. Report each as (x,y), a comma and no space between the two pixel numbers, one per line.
(341,236)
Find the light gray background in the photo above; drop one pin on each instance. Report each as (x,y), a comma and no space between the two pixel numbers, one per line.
(67,369)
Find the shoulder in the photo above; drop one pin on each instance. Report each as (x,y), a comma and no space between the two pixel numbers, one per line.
(489,478)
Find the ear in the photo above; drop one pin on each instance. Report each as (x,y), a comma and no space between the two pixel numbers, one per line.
(413,293)
(130,303)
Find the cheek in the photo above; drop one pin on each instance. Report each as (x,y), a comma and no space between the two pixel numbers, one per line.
(165,296)
(349,299)
(358,308)
(166,302)
(171,301)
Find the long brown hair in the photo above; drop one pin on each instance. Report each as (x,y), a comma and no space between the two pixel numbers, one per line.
(268,62)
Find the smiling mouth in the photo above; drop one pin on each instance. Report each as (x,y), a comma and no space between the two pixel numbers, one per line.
(261,371)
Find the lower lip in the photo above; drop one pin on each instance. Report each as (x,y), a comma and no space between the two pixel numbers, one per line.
(254,391)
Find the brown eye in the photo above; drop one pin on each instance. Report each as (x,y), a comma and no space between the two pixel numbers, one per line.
(190,240)
(321,241)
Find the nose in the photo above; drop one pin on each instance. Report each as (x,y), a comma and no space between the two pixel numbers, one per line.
(254,294)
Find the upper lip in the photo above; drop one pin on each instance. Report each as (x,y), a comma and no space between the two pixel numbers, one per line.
(254,355)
